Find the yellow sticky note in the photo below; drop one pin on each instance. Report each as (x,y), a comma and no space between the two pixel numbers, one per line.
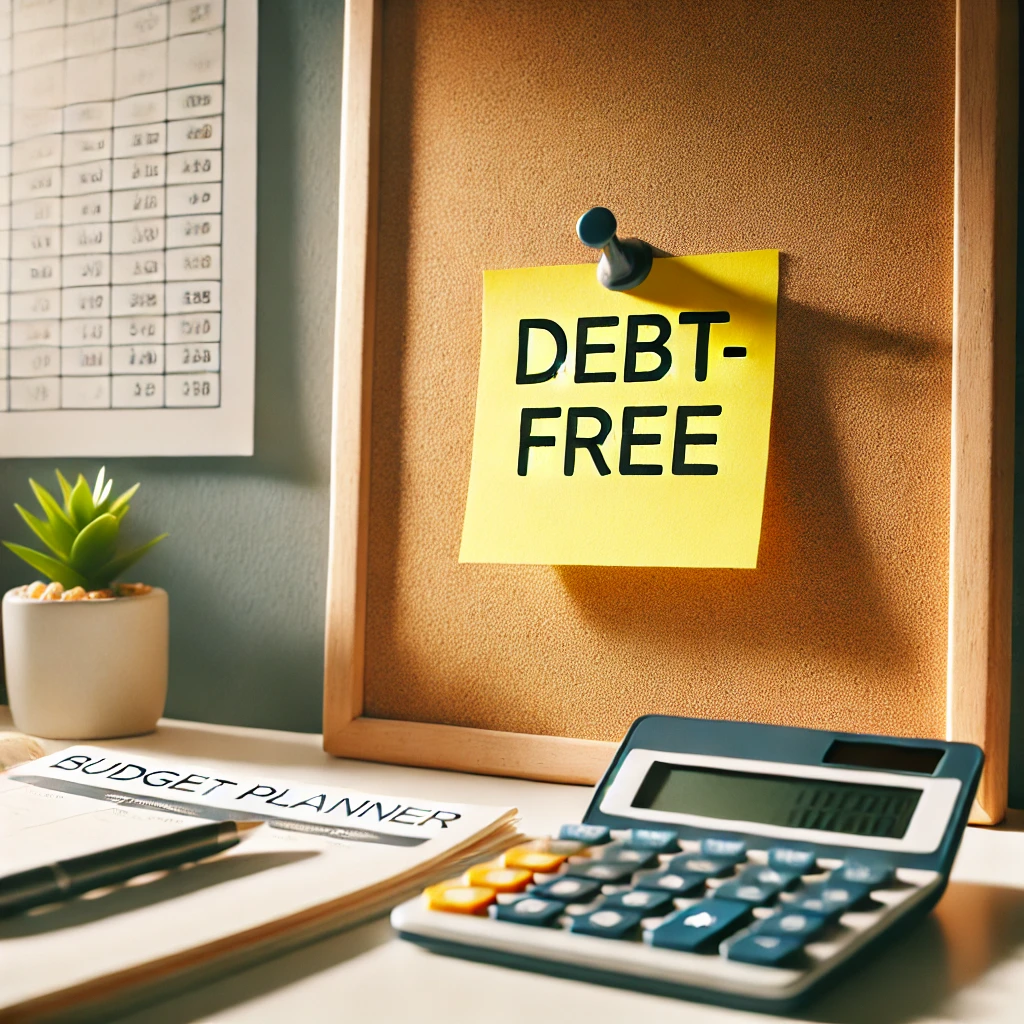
(624,428)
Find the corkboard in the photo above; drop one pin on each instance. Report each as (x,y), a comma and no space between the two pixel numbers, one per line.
(824,129)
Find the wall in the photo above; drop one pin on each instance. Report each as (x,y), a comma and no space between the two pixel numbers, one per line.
(245,562)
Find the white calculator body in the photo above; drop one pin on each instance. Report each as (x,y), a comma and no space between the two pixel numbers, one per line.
(728,862)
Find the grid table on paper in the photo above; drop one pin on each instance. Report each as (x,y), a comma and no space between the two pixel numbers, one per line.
(111,172)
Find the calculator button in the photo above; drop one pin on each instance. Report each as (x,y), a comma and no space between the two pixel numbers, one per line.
(769,876)
(708,867)
(878,876)
(785,858)
(798,924)
(499,879)
(608,924)
(618,853)
(530,910)
(456,898)
(533,860)
(560,847)
(831,899)
(647,901)
(655,839)
(700,926)
(727,849)
(592,835)
(767,950)
(678,883)
(753,893)
(612,874)
(568,890)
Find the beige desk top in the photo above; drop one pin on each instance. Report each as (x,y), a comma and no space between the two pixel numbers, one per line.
(964,964)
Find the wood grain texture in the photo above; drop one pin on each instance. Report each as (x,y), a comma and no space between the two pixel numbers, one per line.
(483,751)
(981,534)
(825,129)
(353,354)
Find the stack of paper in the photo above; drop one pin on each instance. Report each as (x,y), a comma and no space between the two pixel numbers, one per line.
(327,858)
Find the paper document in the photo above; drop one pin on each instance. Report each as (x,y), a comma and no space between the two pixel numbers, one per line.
(127,227)
(624,428)
(327,857)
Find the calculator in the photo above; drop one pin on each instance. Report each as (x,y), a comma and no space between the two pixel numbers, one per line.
(728,862)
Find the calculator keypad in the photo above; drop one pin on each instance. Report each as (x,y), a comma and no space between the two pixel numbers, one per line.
(777,907)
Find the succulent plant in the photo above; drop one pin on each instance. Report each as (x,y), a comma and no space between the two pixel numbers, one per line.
(82,533)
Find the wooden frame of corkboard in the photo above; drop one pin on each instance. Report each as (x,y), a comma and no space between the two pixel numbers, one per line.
(372,707)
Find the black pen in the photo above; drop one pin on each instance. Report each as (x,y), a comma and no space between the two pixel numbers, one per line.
(66,878)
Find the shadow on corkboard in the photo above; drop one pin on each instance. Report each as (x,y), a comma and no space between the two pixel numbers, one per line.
(814,581)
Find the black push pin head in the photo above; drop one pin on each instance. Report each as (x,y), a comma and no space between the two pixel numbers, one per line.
(625,263)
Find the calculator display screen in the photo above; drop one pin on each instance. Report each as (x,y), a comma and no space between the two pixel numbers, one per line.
(863,810)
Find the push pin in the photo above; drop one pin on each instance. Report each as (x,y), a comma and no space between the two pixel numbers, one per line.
(625,262)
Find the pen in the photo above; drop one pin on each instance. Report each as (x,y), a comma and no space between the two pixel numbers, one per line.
(66,878)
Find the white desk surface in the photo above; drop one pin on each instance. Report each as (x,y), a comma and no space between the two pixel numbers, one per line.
(965,963)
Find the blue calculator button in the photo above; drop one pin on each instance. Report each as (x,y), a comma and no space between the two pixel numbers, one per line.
(797,924)
(729,849)
(767,950)
(592,835)
(655,839)
(608,924)
(678,883)
(530,910)
(709,867)
(647,901)
(568,890)
(830,899)
(619,853)
(784,879)
(746,892)
(701,925)
(785,858)
(878,876)
(610,874)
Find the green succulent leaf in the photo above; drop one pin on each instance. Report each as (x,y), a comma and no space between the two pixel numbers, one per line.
(97,488)
(80,504)
(63,530)
(83,534)
(48,503)
(122,501)
(65,488)
(104,576)
(45,532)
(101,505)
(95,545)
(49,567)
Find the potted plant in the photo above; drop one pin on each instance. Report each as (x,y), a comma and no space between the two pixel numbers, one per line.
(85,657)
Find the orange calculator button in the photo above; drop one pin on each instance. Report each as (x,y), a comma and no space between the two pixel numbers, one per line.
(533,860)
(458,898)
(501,879)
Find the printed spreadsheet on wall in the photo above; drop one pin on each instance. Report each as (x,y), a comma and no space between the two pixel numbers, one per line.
(127,227)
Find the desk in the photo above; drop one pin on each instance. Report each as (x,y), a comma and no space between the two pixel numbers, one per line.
(964,964)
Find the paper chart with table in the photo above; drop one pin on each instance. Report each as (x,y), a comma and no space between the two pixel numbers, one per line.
(127,227)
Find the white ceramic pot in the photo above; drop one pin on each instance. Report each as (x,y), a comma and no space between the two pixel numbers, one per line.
(86,670)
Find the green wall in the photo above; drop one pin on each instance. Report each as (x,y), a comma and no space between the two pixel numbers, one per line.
(245,564)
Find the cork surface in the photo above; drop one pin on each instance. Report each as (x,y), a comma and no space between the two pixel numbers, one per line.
(823,128)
